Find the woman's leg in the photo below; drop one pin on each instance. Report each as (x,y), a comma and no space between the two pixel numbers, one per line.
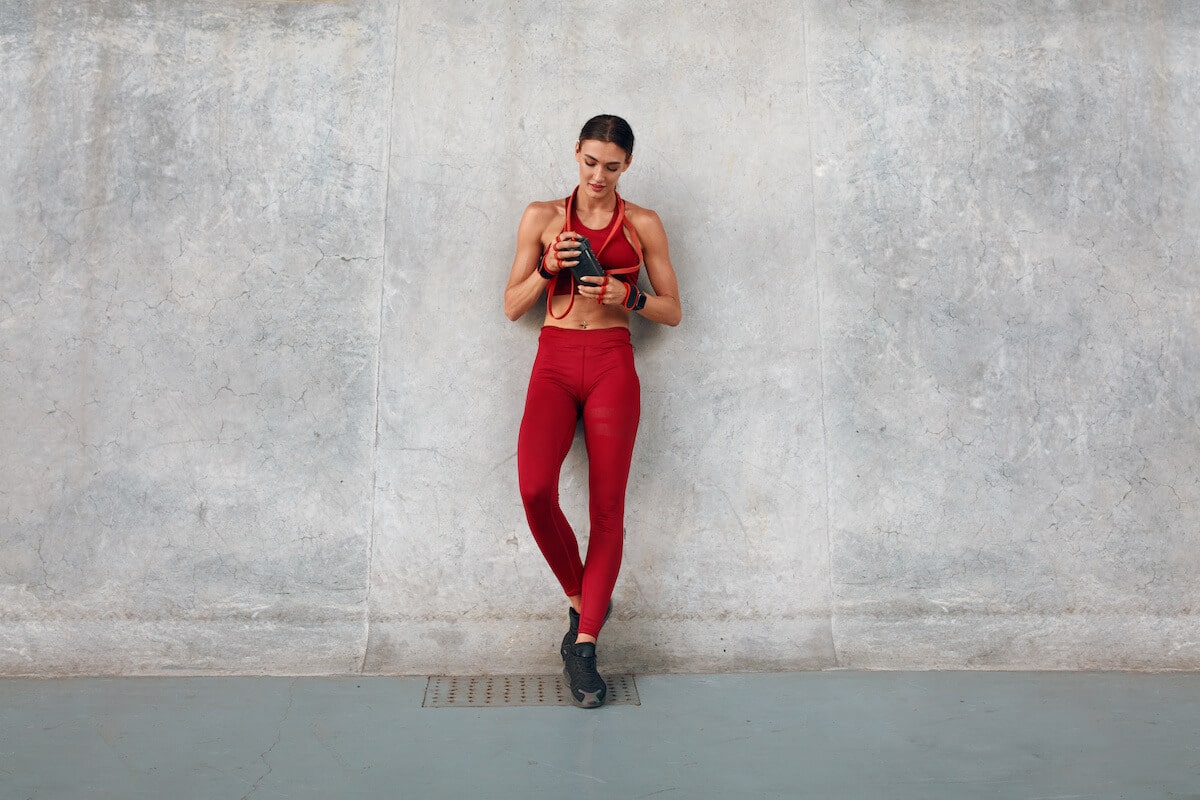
(547,430)
(611,411)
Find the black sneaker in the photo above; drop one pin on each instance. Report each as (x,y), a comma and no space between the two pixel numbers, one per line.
(573,618)
(588,689)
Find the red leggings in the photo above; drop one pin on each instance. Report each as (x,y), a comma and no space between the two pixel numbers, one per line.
(588,373)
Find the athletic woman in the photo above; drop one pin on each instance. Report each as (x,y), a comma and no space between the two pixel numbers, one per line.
(584,367)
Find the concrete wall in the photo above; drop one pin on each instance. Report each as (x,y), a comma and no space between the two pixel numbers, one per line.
(933,402)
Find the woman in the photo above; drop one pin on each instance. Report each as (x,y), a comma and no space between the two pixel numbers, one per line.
(584,366)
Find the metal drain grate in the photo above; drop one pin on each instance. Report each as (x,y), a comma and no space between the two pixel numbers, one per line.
(482,691)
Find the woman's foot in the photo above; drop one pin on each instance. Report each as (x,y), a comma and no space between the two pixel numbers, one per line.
(573,631)
(588,689)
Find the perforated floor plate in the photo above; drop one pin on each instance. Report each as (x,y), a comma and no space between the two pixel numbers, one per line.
(481,691)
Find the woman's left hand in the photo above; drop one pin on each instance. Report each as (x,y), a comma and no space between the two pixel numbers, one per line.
(606,291)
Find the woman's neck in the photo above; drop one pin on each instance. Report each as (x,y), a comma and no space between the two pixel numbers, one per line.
(585,205)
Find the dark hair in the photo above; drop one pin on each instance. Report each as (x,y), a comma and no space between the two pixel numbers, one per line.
(608,128)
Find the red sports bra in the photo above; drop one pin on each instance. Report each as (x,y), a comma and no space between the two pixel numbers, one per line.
(620,259)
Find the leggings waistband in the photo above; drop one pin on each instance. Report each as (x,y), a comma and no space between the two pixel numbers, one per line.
(574,336)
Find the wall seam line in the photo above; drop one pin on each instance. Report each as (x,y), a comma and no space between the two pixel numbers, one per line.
(812,182)
(387,196)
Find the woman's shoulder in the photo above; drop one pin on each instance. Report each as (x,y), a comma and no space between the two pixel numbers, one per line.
(544,210)
(641,217)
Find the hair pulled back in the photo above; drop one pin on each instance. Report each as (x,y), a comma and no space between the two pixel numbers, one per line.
(609,128)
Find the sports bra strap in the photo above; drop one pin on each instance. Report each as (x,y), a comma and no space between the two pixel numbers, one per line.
(621,224)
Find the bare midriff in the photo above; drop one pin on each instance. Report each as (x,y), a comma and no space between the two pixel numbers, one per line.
(586,315)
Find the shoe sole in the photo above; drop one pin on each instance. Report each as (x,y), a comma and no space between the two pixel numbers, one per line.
(590,699)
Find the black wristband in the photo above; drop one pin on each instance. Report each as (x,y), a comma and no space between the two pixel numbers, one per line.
(541,269)
(636,300)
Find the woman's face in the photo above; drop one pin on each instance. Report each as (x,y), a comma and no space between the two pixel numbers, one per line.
(600,166)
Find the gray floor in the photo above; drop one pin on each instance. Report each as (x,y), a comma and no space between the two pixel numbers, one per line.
(896,736)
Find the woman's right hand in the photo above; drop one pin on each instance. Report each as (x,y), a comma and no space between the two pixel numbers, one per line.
(563,252)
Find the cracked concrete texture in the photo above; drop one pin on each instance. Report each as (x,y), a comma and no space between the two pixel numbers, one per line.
(932,403)
(278,735)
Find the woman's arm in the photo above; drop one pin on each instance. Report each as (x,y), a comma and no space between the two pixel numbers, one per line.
(662,306)
(525,285)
